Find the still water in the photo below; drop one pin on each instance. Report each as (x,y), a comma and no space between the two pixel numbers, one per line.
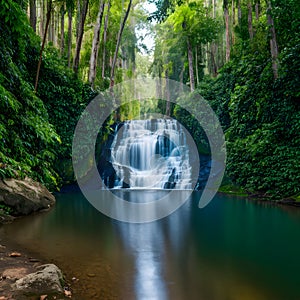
(231,249)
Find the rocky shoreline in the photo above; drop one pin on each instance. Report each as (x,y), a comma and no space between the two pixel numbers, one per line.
(23,276)
(26,277)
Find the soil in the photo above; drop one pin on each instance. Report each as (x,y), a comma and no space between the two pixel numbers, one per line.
(14,264)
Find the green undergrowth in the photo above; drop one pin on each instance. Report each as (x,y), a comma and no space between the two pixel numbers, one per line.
(36,129)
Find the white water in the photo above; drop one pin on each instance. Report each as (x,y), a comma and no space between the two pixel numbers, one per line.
(151,154)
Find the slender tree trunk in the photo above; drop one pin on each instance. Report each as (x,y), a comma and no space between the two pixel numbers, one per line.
(196,65)
(233,21)
(213,45)
(122,25)
(239,13)
(48,17)
(69,36)
(250,23)
(80,36)
(51,28)
(62,30)
(78,19)
(233,11)
(257,10)
(227,33)
(42,18)
(56,28)
(273,42)
(214,67)
(105,39)
(95,45)
(167,94)
(32,7)
(181,74)
(191,65)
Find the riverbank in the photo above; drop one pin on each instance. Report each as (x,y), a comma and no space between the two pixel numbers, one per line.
(21,272)
(17,263)
(230,189)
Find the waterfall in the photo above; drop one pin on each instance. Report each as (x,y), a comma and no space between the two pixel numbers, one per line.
(151,154)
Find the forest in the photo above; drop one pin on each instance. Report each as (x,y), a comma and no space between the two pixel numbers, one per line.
(242,56)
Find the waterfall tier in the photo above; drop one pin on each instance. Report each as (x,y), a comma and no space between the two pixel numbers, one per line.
(151,154)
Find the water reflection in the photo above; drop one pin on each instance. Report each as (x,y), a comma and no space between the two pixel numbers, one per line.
(232,249)
(145,242)
(148,243)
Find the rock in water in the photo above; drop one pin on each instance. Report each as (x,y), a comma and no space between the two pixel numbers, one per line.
(25,196)
(47,280)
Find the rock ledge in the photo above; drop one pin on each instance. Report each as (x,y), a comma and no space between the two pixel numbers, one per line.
(25,196)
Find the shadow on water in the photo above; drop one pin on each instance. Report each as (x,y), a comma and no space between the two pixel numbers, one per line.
(231,249)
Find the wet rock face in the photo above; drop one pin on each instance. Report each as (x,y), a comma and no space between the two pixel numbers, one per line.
(25,196)
(47,280)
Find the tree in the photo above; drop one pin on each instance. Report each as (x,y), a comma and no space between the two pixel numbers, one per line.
(49,10)
(193,25)
(95,45)
(105,38)
(273,41)
(227,32)
(80,35)
(32,7)
(62,29)
(250,23)
(122,25)
(70,8)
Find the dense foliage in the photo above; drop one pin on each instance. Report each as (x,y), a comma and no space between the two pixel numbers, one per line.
(260,114)
(242,56)
(256,94)
(30,144)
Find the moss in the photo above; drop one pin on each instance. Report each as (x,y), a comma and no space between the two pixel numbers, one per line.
(296,198)
(232,189)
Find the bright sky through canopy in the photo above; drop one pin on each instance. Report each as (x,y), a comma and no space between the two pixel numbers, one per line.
(144,34)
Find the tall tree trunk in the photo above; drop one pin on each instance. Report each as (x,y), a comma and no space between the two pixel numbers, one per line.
(191,65)
(233,11)
(95,45)
(167,94)
(122,25)
(257,10)
(51,29)
(213,45)
(233,21)
(80,36)
(42,19)
(196,65)
(181,74)
(250,23)
(69,35)
(273,42)
(48,17)
(78,18)
(62,30)
(105,39)
(32,7)
(56,28)
(239,13)
(214,67)
(227,33)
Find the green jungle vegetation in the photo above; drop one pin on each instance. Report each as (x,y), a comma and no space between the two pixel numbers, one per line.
(242,56)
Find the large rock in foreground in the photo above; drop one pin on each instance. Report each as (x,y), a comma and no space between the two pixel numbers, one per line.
(47,280)
(25,196)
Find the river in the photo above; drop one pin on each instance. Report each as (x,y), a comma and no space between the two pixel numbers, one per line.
(232,249)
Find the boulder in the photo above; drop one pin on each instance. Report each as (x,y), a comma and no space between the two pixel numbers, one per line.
(25,196)
(48,280)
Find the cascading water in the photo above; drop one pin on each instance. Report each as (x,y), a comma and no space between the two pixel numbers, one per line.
(151,154)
